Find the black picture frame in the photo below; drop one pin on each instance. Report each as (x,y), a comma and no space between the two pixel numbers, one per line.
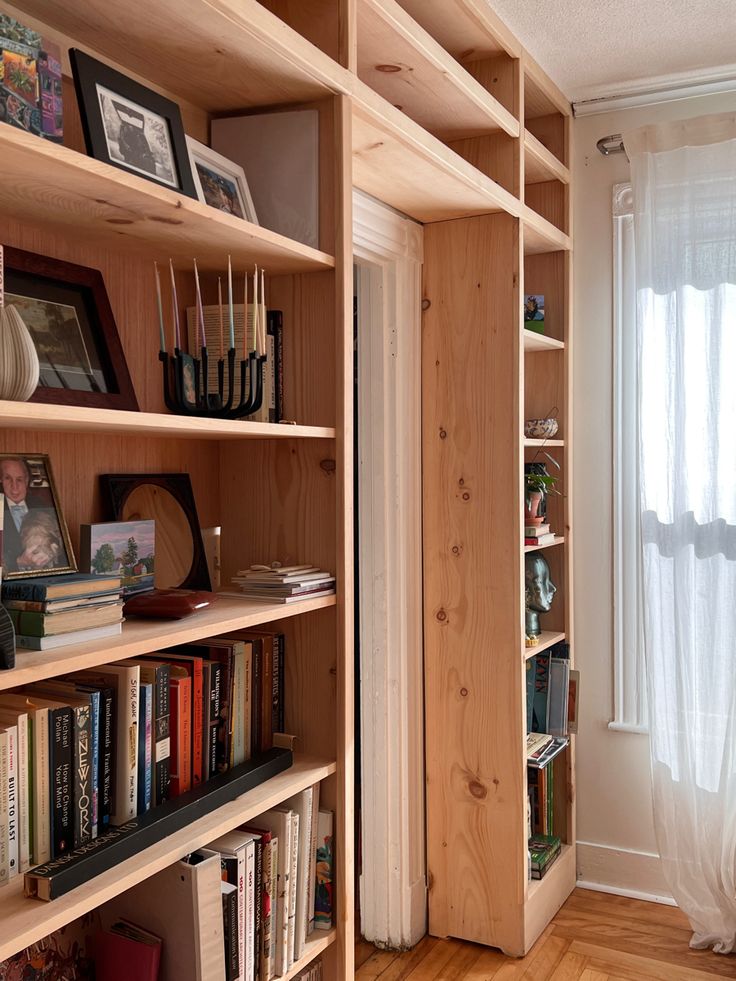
(130,126)
(46,290)
(117,488)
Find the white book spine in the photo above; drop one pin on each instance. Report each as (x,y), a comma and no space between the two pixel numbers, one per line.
(312,886)
(305,837)
(293,883)
(4,838)
(250,911)
(242,910)
(24,790)
(126,760)
(13,809)
(282,902)
(41,792)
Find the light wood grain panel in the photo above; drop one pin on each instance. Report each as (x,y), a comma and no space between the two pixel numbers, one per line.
(546,274)
(315,20)
(542,96)
(501,76)
(552,132)
(423,79)
(496,156)
(467,29)
(544,387)
(540,164)
(472,473)
(550,200)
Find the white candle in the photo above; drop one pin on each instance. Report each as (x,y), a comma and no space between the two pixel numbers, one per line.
(230,301)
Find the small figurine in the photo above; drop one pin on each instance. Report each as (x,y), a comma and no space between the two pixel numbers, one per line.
(540,591)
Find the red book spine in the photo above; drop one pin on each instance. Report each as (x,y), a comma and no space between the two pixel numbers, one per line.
(198,722)
(181,736)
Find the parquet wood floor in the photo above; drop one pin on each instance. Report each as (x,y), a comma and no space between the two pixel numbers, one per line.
(594,937)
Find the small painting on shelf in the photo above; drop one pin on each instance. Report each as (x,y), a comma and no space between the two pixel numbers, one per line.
(126,547)
(534,312)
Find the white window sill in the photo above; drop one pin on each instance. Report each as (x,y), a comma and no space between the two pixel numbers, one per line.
(628,727)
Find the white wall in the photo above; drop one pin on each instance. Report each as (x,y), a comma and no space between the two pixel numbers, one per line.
(614,821)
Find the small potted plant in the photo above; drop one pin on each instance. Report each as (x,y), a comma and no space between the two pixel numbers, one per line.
(536,486)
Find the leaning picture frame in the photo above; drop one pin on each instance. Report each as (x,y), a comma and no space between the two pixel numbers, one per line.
(220,182)
(130,126)
(68,315)
(35,535)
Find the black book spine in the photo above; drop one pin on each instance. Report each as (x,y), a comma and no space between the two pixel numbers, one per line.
(281,722)
(107,746)
(214,710)
(83,776)
(258,906)
(275,684)
(230,925)
(62,781)
(275,321)
(58,877)
(162,736)
(256,697)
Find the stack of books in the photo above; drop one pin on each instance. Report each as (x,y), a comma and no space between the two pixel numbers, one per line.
(538,535)
(53,611)
(285,585)
(544,850)
(542,748)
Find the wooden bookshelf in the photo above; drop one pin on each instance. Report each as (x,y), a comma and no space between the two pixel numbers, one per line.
(559,540)
(540,164)
(26,921)
(547,638)
(540,342)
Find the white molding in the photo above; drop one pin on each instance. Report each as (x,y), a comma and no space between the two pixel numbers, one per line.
(622,871)
(652,91)
(393,891)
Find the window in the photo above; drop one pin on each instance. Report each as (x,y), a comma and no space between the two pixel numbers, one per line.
(630,711)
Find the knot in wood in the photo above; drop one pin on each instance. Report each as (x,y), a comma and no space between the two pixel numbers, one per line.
(443,434)
(478,790)
(329,466)
(426,304)
(441,616)
(466,496)
(464,692)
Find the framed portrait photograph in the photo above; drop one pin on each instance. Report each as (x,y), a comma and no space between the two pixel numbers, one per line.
(67,311)
(220,183)
(130,126)
(35,536)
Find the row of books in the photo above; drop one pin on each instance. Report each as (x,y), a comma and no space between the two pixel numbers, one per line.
(552,691)
(51,611)
(543,850)
(272,898)
(286,584)
(538,535)
(91,750)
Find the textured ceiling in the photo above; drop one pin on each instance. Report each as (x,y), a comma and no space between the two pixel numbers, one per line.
(592,48)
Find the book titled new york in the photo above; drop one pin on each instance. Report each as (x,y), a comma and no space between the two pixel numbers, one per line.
(58,877)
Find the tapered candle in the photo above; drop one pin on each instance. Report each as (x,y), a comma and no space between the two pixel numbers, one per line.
(219,308)
(256,336)
(245,317)
(262,318)
(230,301)
(160,308)
(175,306)
(200,308)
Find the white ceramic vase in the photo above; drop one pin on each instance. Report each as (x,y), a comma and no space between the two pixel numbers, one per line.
(19,367)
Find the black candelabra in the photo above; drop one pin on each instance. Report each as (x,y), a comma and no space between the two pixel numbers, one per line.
(186,384)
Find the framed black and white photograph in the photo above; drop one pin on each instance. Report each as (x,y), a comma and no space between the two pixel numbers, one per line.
(220,183)
(35,534)
(68,315)
(131,126)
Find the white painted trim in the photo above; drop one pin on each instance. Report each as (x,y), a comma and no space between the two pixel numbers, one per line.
(622,871)
(652,91)
(393,891)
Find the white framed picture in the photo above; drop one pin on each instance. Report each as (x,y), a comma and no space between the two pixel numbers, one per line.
(220,182)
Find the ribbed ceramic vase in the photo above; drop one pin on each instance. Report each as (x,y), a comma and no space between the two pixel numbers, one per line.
(19,367)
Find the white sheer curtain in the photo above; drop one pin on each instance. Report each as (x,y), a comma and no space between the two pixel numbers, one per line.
(684,181)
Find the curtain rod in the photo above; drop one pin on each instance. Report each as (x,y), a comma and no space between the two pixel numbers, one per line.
(611,144)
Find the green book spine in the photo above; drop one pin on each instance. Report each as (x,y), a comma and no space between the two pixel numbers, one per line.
(550,798)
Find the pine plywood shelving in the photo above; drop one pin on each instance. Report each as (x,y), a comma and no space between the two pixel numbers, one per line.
(540,164)
(540,342)
(547,639)
(25,921)
(560,540)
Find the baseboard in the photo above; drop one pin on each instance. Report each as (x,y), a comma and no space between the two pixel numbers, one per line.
(622,872)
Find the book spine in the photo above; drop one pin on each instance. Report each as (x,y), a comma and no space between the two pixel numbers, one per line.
(145,782)
(247,701)
(233,871)
(323,912)
(268,894)
(94,736)
(41,788)
(281,726)
(215,708)
(185,733)
(256,688)
(312,880)
(13,817)
(237,745)
(254,874)
(197,725)
(107,749)
(4,822)
(266,695)
(276,686)
(272,367)
(126,762)
(275,328)
(293,883)
(62,781)
(25,777)
(230,927)
(82,757)
(161,750)
(24,591)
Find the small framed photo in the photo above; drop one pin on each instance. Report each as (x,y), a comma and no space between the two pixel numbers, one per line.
(130,126)
(534,312)
(220,183)
(35,536)
(126,547)
(67,312)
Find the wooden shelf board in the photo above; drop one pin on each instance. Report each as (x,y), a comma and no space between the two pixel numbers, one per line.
(545,896)
(539,342)
(76,419)
(27,920)
(54,186)
(540,164)
(145,636)
(468,29)
(559,540)
(541,96)
(429,85)
(245,55)
(316,944)
(543,442)
(541,235)
(400,163)
(546,639)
